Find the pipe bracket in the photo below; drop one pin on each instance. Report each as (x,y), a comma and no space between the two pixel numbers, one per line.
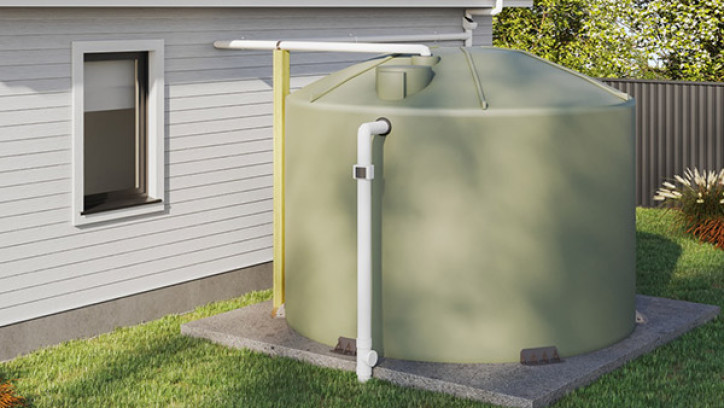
(360,172)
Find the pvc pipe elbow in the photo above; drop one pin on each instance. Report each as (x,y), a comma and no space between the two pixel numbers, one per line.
(371,358)
(366,359)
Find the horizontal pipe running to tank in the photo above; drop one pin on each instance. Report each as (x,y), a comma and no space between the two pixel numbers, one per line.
(364,173)
(400,38)
(417,49)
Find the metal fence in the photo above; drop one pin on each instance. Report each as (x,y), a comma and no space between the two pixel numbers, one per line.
(678,125)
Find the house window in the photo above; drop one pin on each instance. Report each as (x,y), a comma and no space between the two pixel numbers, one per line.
(117,129)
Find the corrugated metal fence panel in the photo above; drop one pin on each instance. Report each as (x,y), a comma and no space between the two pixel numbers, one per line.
(678,125)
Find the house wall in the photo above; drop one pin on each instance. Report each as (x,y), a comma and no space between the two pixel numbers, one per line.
(483,35)
(89,321)
(218,146)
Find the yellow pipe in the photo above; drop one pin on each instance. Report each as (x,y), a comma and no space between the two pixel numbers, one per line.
(281,90)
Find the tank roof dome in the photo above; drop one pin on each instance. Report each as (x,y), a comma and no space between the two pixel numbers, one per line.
(481,78)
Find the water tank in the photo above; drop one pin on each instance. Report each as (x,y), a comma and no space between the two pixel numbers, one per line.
(503,207)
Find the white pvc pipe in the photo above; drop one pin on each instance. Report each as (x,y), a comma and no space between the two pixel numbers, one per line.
(461,36)
(364,173)
(325,46)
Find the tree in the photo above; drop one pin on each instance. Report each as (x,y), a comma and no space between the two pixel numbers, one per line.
(685,37)
(588,36)
(621,38)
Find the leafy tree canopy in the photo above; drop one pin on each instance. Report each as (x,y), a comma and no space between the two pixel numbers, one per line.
(622,38)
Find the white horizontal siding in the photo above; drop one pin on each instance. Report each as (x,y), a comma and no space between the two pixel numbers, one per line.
(39,115)
(64,277)
(483,35)
(31,176)
(33,101)
(42,202)
(247,213)
(184,201)
(217,100)
(20,147)
(223,138)
(32,161)
(35,86)
(222,259)
(218,146)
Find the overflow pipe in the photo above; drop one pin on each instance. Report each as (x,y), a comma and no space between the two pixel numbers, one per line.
(364,173)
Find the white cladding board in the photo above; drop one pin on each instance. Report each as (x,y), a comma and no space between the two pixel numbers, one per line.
(218,146)
(483,35)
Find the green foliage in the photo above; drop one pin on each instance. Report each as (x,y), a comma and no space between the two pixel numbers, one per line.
(621,38)
(699,199)
(588,36)
(685,36)
(699,195)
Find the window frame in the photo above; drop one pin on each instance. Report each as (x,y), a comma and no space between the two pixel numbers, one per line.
(155,156)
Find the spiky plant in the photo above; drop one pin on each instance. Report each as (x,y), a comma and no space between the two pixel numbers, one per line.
(8,398)
(699,198)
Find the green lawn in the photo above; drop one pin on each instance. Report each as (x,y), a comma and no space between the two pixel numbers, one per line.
(152,365)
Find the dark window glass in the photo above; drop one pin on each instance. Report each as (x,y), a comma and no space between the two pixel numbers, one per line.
(115,91)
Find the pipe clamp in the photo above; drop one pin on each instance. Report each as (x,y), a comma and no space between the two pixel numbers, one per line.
(360,172)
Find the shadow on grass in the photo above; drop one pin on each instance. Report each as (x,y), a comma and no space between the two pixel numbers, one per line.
(134,365)
(666,269)
(656,258)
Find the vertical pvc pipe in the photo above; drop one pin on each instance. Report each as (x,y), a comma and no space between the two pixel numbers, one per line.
(364,173)
(364,257)
(281,90)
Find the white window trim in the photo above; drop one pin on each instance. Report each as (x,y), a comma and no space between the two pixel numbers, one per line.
(155,137)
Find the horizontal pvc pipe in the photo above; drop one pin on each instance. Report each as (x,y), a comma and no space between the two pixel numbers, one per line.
(461,36)
(325,46)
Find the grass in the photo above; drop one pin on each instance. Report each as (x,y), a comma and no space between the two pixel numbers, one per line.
(152,365)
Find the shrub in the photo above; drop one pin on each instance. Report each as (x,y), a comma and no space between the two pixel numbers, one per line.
(8,399)
(699,198)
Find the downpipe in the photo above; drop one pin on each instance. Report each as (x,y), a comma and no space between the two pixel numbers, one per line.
(364,173)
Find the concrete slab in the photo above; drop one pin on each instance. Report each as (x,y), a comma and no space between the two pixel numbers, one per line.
(509,384)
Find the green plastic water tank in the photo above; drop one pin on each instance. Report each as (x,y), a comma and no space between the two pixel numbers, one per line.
(503,207)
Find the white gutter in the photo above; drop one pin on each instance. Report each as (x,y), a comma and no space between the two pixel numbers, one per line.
(364,173)
(469,24)
(325,46)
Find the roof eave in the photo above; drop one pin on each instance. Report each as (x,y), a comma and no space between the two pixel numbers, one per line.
(267,3)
